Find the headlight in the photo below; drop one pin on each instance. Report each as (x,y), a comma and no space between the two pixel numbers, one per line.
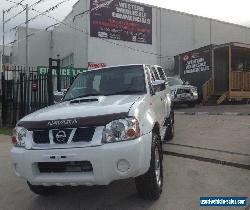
(121,130)
(19,136)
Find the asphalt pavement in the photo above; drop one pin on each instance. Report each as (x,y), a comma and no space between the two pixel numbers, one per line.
(190,172)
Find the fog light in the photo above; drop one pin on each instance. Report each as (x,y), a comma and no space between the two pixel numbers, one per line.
(123,166)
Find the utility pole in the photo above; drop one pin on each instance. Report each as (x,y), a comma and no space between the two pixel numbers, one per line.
(59,85)
(2,74)
(3,53)
(27,41)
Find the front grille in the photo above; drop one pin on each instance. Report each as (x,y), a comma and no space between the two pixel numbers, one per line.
(41,136)
(61,136)
(64,133)
(61,167)
(84,134)
(180,91)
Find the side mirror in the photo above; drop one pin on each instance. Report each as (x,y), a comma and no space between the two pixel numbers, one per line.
(58,96)
(158,85)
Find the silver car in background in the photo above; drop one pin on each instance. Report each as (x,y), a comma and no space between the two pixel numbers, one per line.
(182,92)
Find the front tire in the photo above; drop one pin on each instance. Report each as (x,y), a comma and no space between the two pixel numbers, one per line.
(191,104)
(42,190)
(149,185)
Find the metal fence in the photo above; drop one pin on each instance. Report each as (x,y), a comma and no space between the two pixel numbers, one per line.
(25,91)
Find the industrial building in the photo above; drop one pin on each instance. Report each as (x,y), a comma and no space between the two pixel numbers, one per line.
(104,33)
(7,55)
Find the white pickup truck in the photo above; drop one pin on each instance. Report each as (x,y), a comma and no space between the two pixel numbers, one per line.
(109,126)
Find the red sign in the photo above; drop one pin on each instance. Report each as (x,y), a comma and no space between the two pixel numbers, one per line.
(185,57)
(93,65)
(34,86)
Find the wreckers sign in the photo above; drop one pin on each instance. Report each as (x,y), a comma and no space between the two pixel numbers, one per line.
(121,20)
(65,71)
(196,62)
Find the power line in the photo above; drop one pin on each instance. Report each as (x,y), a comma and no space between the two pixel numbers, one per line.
(82,13)
(94,9)
(48,10)
(13,17)
(14,6)
(106,40)
(37,32)
(31,6)
(36,3)
(40,13)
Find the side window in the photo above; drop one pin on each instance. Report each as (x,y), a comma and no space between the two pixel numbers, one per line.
(155,73)
(161,73)
(150,78)
(80,83)
(148,74)
(153,78)
(96,82)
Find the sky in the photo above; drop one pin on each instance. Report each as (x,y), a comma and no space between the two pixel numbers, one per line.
(225,10)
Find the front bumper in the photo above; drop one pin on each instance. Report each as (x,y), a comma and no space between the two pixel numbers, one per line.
(184,99)
(134,156)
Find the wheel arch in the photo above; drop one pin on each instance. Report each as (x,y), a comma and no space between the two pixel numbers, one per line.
(156,130)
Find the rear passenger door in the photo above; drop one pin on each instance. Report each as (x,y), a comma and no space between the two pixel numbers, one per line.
(159,98)
(161,73)
(167,97)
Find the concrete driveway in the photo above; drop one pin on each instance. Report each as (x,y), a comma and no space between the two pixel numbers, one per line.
(186,177)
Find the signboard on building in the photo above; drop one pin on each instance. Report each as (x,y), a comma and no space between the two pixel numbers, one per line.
(93,65)
(196,62)
(196,66)
(121,20)
(65,71)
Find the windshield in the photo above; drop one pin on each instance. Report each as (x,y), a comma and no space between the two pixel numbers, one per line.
(174,81)
(108,81)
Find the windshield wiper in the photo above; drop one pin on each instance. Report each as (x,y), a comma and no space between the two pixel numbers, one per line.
(125,92)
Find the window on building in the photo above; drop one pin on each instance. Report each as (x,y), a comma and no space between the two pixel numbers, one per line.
(6,59)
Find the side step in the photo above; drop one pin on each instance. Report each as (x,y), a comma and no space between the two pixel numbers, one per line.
(222,98)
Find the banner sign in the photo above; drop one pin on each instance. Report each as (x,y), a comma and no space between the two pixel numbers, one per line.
(65,71)
(121,20)
(196,62)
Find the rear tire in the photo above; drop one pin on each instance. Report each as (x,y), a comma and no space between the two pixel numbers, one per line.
(42,190)
(149,185)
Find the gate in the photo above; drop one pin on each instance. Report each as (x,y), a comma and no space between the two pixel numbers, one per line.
(25,91)
(22,93)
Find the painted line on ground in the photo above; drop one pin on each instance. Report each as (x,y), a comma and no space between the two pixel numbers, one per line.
(209,149)
(213,113)
(208,160)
